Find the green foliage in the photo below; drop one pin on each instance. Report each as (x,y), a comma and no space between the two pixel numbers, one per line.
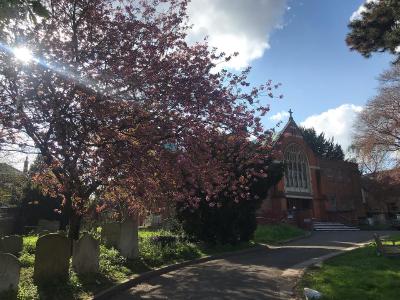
(27,257)
(321,146)
(10,9)
(112,264)
(230,222)
(36,205)
(358,275)
(12,182)
(276,233)
(377,30)
(156,255)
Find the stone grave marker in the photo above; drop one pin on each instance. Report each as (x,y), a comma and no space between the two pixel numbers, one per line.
(11,244)
(128,242)
(110,234)
(9,272)
(46,225)
(52,257)
(85,257)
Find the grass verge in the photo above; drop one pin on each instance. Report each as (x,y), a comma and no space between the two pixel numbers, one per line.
(357,275)
(274,234)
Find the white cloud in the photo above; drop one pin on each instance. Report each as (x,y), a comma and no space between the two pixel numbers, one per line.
(236,25)
(337,123)
(279,116)
(361,9)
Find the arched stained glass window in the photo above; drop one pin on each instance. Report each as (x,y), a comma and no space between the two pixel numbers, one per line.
(297,177)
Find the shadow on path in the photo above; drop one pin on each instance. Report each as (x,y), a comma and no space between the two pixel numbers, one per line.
(255,275)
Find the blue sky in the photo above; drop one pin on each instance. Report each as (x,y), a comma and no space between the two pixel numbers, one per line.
(309,56)
(301,44)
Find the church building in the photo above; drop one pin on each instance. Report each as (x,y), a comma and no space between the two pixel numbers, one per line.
(312,188)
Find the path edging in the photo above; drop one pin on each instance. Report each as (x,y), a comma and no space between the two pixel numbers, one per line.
(106,294)
(306,235)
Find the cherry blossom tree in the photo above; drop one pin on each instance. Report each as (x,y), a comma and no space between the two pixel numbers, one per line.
(222,209)
(114,99)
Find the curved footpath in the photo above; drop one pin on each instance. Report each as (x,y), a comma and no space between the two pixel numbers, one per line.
(263,274)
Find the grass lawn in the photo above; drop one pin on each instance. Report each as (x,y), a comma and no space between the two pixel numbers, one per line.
(274,234)
(114,268)
(357,275)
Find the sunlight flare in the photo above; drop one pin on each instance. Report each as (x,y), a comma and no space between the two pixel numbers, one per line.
(23,54)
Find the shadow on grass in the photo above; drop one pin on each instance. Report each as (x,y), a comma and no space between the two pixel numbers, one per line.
(93,283)
(56,289)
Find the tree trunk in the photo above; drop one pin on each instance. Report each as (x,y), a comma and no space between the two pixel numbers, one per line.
(71,218)
(66,213)
(74,226)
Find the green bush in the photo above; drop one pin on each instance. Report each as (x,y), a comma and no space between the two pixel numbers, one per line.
(156,254)
(229,222)
(112,264)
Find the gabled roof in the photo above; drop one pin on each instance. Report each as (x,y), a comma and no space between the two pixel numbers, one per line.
(289,123)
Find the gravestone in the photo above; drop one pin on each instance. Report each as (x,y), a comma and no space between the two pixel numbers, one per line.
(51,226)
(11,244)
(153,220)
(9,272)
(85,257)
(128,242)
(51,257)
(110,234)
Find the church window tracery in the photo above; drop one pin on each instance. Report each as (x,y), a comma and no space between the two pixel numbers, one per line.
(297,177)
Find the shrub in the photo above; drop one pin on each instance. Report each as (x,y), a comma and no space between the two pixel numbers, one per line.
(229,222)
(162,247)
(164,240)
(112,264)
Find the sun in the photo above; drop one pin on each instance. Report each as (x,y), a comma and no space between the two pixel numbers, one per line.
(23,54)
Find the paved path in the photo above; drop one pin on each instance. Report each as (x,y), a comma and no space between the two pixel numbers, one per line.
(255,275)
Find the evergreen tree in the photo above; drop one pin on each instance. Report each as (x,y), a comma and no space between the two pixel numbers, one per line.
(377,30)
(321,146)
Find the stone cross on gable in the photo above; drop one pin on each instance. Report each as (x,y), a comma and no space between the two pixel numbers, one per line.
(291,113)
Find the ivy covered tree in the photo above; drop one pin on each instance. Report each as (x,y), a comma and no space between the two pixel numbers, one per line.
(377,29)
(321,146)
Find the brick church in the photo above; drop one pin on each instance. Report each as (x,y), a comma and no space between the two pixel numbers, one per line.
(312,188)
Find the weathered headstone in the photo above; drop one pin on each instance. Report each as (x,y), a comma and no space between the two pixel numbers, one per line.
(153,220)
(128,243)
(51,257)
(51,226)
(110,234)
(11,244)
(85,257)
(9,272)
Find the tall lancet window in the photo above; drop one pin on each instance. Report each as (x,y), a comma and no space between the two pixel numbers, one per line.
(297,178)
